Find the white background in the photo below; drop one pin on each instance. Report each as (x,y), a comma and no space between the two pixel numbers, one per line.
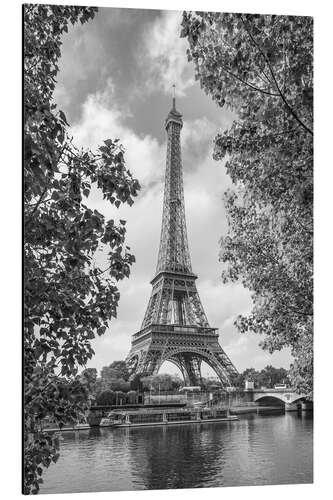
(11,287)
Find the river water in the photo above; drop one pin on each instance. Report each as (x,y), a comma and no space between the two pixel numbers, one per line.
(256,450)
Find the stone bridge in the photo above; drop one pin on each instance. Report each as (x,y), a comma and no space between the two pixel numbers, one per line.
(286,396)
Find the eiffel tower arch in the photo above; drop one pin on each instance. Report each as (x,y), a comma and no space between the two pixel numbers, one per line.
(175,327)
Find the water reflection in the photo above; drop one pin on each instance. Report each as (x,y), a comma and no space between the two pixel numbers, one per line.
(94,432)
(265,449)
(180,457)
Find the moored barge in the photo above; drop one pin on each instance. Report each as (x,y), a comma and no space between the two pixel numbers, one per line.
(140,418)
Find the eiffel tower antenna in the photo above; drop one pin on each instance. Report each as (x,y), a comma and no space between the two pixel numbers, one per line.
(173,96)
(175,327)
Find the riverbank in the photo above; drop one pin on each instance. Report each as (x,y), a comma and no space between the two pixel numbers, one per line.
(242,410)
(234,411)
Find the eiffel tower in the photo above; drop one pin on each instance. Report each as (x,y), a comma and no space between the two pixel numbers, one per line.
(175,327)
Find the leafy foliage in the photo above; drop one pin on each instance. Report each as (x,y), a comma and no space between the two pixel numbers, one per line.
(161,382)
(136,383)
(267,377)
(118,397)
(113,377)
(260,67)
(210,383)
(117,369)
(106,397)
(68,298)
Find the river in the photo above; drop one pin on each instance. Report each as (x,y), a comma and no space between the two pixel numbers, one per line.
(256,450)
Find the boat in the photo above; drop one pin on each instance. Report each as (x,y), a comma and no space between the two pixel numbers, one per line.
(82,426)
(107,422)
(151,417)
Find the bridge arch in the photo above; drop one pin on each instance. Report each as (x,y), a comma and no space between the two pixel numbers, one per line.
(284,397)
(269,401)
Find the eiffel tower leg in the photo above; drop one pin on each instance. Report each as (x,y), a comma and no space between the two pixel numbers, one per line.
(221,364)
(144,363)
(223,367)
(191,368)
(178,362)
(195,370)
(153,362)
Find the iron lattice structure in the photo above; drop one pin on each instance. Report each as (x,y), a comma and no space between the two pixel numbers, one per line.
(175,327)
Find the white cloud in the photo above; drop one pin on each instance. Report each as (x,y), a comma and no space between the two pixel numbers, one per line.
(101,119)
(199,130)
(165,55)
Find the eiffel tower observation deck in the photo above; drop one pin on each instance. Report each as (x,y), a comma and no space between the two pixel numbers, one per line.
(175,327)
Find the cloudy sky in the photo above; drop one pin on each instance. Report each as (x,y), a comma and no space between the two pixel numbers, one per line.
(115,79)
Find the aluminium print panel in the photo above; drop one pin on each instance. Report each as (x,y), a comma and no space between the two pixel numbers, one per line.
(168,231)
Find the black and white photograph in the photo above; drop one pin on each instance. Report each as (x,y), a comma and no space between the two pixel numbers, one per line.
(167,249)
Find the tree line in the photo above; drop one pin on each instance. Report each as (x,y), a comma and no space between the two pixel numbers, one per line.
(268,377)
(113,387)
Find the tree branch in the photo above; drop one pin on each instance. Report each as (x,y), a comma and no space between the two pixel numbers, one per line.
(263,54)
(39,201)
(297,311)
(309,231)
(263,91)
(258,89)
